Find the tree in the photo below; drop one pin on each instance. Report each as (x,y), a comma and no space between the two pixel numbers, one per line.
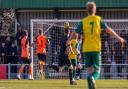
(7,18)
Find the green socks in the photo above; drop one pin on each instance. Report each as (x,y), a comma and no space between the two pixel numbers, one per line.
(74,74)
(96,74)
(65,67)
(89,82)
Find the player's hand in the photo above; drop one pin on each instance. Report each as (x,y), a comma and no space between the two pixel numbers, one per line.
(79,65)
(28,57)
(122,42)
(68,42)
(78,52)
(67,51)
(48,41)
(72,52)
(44,51)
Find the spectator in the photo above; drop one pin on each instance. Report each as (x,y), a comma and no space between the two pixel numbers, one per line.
(13,57)
(8,41)
(106,60)
(126,53)
(8,46)
(3,53)
(14,53)
(119,57)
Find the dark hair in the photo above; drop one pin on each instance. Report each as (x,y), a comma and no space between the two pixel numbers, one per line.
(25,32)
(67,30)
(40,31)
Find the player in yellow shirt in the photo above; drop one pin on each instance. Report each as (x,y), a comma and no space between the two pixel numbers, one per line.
(72,54)
(92,26)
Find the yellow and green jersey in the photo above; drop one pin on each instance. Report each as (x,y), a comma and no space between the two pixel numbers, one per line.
(73,55)
(91,27)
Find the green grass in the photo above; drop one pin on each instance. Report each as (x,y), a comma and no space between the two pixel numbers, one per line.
(61,84)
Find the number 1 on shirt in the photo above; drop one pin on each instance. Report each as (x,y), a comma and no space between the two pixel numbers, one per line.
(92,26)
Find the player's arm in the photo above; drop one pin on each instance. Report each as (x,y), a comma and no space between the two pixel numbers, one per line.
(78,52)
(74,33)
(47,41)
(27,49)
(111,32)
(69,48)
(76,48)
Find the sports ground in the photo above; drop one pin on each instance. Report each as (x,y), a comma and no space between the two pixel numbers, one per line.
(60,84)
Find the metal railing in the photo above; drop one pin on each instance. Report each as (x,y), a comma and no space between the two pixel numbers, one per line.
(12,70)
(108,71)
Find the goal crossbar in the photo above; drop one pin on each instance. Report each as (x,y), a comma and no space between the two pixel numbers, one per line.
(75,20)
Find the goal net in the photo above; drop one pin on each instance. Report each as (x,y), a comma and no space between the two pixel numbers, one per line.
(114,58)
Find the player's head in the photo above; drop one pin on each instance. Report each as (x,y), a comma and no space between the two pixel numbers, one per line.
(66,25)
(67,31)
(67,28)
(40,31)
(75,36)
(91,8)
(25,33)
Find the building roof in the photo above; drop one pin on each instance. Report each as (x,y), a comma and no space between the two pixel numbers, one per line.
(49,4)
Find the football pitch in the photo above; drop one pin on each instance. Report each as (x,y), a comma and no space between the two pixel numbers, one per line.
(60,84)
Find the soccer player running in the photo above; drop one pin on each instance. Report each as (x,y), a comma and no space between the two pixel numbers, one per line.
(41,51)
(91,26)
(25,56)
(63,56)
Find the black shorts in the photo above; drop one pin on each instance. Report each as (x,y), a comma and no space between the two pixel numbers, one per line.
(64,60)
(41,57)
(25,60)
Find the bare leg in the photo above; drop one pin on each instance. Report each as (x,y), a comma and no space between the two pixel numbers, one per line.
(20,71)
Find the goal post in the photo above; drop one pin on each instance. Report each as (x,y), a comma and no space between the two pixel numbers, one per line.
(31,47)
(54,29)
